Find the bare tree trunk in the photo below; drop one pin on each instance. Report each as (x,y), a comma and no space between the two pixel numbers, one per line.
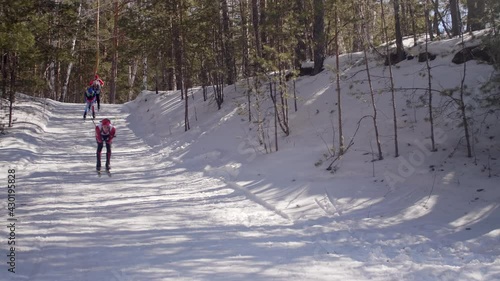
(12,90)
(114,63)
(370,24)
(170,68)
(176,42)
(187,126)
(357,43)
(58,74)
(372,94)
(463,108)
(436,18)
(404,18)
(337,76)
(281,117)
(283,87)
(319,35)
(464,118)
(217,74)
(431,114)
(51,74)
(244,38)
(64,91)
(295,96)
(218,89)
(182,62)
(97,37)
(3,94)
(249,99)
(260,119)
(399,36)
(456,24)
(256,27)
(145,72)
(300,35)
(228,48)
(3,67)
(413,24)
(276,115)
(428,21)
(393,99)
(284,105)
(204,77)
(52,79)
(263,21)
(132,73)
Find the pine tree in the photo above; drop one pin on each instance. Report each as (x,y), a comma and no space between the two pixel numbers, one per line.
(476,15)
(456,24)
(393,99)
(17,40)
(319,35)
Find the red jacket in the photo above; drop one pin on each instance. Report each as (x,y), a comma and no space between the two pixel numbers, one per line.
(100,136)
(96,78)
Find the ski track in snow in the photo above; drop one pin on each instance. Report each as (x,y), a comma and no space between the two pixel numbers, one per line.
(155,219)
(149,221)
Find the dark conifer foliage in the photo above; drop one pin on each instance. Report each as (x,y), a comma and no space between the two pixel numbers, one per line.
(57,46)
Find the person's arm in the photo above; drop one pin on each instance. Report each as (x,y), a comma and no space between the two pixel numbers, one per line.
(112,133)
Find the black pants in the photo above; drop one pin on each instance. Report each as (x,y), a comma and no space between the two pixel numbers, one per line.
(98,102)
(108,154)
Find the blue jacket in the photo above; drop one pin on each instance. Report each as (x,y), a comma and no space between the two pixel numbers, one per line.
(90,94)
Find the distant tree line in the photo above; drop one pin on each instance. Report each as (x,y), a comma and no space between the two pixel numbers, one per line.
(51,48)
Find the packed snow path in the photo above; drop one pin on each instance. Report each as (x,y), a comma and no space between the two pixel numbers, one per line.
(149,221)
(157,220)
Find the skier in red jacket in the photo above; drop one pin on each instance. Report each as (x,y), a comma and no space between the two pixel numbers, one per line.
(97,85)
(104,133)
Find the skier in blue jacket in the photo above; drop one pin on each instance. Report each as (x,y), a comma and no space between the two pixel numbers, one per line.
(90,98)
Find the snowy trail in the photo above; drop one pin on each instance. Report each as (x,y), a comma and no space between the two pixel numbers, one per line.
(157,218)
(149,221)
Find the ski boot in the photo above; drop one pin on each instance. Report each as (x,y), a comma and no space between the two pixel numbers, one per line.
(108,170)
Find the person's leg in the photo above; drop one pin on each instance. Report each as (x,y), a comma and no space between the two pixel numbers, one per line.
(85,112)
(108,156)
(98,102)
(98,154)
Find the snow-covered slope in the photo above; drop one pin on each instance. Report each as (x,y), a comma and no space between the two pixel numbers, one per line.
(211,204)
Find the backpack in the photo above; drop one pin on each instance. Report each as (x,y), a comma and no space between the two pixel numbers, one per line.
(90,93)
